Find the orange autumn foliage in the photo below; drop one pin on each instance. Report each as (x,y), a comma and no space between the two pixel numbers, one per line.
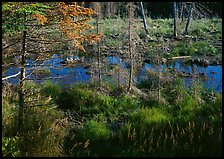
(40,18)
(73,22)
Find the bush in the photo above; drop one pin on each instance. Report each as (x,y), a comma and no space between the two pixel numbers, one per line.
(149,116)
(51,89)
(44,129)
(11,146)
(94,130)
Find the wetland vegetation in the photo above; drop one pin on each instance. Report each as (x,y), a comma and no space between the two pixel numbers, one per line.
(122,92)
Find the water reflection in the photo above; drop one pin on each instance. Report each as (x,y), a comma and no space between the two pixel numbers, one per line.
(77,73)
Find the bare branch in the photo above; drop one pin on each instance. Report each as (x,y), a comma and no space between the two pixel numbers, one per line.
(5,78)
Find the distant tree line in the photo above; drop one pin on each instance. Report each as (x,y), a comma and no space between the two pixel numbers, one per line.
(152,9)
(164,9)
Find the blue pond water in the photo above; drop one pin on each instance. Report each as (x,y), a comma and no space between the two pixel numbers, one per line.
(59,74)
(212,73)
(79,74)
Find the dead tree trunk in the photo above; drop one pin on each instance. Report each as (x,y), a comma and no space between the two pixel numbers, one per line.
(130,14)
(21,83)
(159,74)
(175,20)
(96,6)
(143,17)
(114,8)
(189,18)
(107,9)
(98,44)
(181,11)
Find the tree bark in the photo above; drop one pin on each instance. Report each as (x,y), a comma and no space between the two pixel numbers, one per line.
(107,9)
(21,83)
(189,18)
(130,46)
(181,11)
(98,44)
(175,21)
(143,17)
(159,74)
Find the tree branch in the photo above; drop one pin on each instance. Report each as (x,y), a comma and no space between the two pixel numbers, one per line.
(5,78)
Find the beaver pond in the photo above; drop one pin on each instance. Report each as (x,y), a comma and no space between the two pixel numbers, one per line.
(59,72)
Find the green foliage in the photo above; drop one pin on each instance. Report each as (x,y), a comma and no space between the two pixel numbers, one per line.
(194,48)
(42,127)
(149,116)
(204,48)
(44,131)
(14,15)
(94,130)
(11,147)
(77,98)
(8,118)
(96,136)
(181,127)
(51,89)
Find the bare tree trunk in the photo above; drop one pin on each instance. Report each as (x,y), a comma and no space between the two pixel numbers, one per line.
(143,17)
(107,9)
(96,6)
(181,11)
(175,21)
(21,83)
(98,43)
(189,18)
(159,74)
(111,6)
(114,8)
(130,13)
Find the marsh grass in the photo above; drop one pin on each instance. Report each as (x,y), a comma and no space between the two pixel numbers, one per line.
(182,128)
(42,131)
(204,34)
(185,48)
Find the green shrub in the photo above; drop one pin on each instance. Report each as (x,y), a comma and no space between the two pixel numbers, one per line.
(9,113)
(11,146)
(94,130)
(91,140)
(44,129)
(202,47)
(51,89)
(149,116)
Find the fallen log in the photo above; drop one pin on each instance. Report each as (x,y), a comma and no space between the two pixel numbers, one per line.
(179,57)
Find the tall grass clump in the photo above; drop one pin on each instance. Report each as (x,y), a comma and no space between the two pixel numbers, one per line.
(83,100)
(42,130)
(91,140)
(51,89)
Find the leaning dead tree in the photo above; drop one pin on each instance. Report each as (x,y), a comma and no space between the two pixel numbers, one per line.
(186,12)
(143,17)
(189,18)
